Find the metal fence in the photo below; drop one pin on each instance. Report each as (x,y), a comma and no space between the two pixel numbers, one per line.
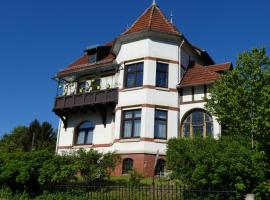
(141,192)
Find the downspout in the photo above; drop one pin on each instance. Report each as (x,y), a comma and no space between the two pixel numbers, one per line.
(58,135)
(179,70)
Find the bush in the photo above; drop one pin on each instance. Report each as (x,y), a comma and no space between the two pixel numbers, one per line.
(225,164)
(94,166)
(30,172)
(135,177)
(20,171)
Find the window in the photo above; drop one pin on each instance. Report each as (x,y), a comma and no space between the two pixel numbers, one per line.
(92,58)
(84,133)
(161,124)
(131,124)
(162,75)
(160,167)
(197,123)
(127,165)
(134,75)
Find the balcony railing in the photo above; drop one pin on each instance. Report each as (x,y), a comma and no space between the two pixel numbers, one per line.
(87,99)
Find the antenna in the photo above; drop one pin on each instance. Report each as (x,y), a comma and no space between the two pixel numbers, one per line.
(171,17)
(154,3)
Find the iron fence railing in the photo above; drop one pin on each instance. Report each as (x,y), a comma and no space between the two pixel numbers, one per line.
(141,192)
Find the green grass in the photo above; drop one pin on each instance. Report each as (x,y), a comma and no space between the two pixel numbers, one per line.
(144,181)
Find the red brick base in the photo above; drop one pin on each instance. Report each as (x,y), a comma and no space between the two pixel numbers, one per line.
(143,163)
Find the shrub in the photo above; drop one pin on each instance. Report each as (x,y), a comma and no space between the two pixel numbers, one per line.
(94,166)
(135,177)
(30,172)
(225,164)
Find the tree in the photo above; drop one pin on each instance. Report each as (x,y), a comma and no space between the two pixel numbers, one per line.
(241,98)
(14,141)
(35,137)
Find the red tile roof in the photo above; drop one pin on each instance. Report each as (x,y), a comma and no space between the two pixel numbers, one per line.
(199,75)
(220,67)
(83,64)
(152,19)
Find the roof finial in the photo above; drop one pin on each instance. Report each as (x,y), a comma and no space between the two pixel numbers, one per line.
(154,3)
(171,17)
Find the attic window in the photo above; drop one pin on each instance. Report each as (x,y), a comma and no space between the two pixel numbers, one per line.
(92,58)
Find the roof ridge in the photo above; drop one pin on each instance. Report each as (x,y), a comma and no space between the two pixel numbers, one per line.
(151,16)
(172,27)
(219,64)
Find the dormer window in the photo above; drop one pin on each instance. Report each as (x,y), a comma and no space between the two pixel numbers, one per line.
(93,58)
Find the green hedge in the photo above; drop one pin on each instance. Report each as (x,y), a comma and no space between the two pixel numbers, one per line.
(225,164)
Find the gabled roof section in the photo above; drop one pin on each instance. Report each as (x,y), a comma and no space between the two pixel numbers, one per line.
(153,19)
(198,75)
(220,67)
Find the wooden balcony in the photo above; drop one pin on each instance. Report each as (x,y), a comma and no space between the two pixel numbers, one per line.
(95,100)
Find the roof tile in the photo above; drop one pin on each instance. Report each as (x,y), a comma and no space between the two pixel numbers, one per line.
(198,75)
(152,19)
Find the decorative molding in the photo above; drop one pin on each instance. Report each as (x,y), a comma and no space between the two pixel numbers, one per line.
(148,106)
(142,139)
(190,102)
(150,58)
(149,87)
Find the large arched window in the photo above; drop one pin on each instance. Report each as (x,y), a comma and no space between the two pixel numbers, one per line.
(197,123)
(127,165)
(160,167)
(84,133)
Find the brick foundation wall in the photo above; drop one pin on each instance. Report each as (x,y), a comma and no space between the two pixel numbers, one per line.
(143,163)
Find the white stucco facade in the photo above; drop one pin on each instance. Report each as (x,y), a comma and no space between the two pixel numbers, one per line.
(147,97)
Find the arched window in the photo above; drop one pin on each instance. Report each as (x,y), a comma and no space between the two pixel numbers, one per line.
(197,123)
(160,167)
(127,165)
(84,133)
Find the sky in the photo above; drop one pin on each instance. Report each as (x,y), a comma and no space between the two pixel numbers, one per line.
(40,37)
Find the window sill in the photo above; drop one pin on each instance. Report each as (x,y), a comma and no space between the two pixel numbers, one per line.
(160,140)
(130,89)
(163,89)
(123,140)
(78,146)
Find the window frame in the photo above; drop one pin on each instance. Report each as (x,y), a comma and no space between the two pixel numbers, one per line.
(191,125)
(158,71)
(86,132)
(124,172)
(133,119)
(135,72)
(94,55)
(161,119)
(161,163)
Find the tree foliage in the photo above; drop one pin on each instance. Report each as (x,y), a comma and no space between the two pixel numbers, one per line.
(241,98)
(31,171)
(225,164)
(38,136)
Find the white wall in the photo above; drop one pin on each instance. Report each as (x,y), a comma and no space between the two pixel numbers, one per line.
(102,135)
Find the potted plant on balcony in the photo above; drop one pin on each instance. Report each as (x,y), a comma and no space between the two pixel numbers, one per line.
(108,86)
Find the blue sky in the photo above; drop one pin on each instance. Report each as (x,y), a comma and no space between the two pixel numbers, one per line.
(38,38)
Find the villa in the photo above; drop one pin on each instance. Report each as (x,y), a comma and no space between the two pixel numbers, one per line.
(133,94)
